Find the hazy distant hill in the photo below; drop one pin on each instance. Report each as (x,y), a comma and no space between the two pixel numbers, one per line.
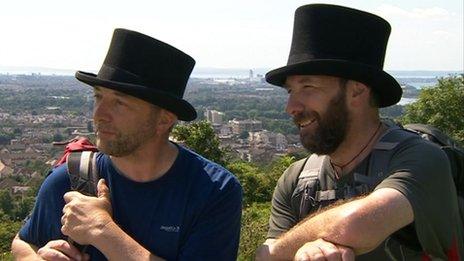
(209,72)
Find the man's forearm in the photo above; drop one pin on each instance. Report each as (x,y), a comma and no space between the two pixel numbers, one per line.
(360,224)
(22,250)
(115,244)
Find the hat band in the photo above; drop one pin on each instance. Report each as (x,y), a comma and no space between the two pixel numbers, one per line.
(118,75)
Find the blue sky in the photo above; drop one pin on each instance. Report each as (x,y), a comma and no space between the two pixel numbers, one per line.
(426,35)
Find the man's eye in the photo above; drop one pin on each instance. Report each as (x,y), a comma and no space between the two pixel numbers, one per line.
(119,102)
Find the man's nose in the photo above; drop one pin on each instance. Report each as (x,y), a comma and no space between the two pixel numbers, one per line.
(294,106)
(101,111)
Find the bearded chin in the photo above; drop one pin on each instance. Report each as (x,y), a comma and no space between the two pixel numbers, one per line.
(325,140)
(331,130)
(116,148)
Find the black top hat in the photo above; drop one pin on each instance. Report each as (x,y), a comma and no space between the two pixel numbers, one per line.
(340,41)
(146,68)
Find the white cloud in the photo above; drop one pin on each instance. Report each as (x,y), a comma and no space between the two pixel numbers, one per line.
(416,13)
(429,13)
(444,35)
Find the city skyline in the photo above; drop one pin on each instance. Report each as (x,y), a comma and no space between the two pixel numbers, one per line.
(426,35)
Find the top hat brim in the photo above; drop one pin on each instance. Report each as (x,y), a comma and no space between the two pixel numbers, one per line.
(388,89)
(181,108)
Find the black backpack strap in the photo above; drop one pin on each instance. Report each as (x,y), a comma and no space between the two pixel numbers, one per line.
(83,172)
(310,174)
(383,151)
(83,175)
(377,171)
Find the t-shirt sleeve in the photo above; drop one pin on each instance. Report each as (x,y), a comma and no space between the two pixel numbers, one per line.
(44,223)
(216,234)
(421,172)
(283,216)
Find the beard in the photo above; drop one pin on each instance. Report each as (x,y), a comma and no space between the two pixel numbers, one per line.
(124,143)
(332,126)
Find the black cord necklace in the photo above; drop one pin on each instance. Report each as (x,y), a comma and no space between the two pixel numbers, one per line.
(341,166)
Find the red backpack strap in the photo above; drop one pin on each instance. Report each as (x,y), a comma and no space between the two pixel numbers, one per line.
(74,145)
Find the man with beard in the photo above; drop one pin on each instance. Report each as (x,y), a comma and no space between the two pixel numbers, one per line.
(333,205)
(156,200)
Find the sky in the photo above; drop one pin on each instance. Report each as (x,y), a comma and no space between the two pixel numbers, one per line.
(75,35)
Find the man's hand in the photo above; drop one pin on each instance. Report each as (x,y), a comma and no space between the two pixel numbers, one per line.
(323,250)
(58,250)
(85,217)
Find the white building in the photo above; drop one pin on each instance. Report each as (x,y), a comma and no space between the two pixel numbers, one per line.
(265,137)
(214,117)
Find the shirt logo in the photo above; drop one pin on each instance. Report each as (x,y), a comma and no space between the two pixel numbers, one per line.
(170,229)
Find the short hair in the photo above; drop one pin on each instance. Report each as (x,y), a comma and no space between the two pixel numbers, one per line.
(374,96)
(374,99)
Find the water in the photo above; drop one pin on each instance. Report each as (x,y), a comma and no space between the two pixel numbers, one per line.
(405,101)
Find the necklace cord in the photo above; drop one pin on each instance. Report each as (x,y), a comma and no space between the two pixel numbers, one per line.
(341,166)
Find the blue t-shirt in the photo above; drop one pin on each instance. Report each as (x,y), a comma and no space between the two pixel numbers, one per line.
(190,213)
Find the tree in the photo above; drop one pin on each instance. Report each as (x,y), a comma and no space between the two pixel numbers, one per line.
(200,137)
(23,208)
(244,135)
(440,106)
(6,202)
(8,230)
(259,183)
(255,220)
(255,184)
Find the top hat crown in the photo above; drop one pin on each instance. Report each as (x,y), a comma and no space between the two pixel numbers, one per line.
(146,68)
(340,41)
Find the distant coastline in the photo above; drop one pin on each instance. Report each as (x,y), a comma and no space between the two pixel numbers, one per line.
(416,78)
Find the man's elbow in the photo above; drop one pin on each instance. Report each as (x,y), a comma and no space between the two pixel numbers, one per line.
(263,252)
(21,250)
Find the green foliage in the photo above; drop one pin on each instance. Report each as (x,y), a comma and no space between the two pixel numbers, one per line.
(23,208)
(37,165)
(254,229)
(285,126)
(259,183)
(15,208)
(8,230)
(6,202)
(6,137)
(38,99)
(200,137)
(57,137)
(440,106)
(7,256)
(392,112)
(256,185)
(244,135)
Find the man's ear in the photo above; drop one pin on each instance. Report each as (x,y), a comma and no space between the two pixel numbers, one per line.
(166,121)
(357,93)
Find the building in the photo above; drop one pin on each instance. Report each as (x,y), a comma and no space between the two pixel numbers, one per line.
(5,171)
(214,117)
(239,126)
(267,138)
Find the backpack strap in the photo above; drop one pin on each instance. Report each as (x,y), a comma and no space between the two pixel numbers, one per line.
(83,172)
(318,191)
(382,153)
(83,176)
(310,174)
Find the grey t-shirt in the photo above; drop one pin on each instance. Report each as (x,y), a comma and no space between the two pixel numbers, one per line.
(421,172)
